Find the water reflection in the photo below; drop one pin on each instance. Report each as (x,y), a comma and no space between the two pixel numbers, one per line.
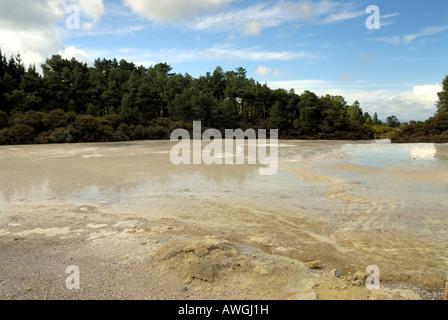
(383,154)
(426,151)
(89,170)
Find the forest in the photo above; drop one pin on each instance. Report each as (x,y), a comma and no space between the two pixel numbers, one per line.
(71,102)
(433,130)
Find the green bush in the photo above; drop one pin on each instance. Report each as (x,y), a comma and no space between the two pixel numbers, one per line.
(3,119)
(17,134)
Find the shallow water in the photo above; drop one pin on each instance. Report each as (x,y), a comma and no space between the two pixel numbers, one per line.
(361,202)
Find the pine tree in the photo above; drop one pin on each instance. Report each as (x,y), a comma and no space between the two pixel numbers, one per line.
(442,104)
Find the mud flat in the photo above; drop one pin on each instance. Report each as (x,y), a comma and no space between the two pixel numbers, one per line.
(139,227)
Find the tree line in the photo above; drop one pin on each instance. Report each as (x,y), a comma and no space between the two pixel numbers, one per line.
(112,100)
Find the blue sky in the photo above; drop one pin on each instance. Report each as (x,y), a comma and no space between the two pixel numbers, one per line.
(322,46)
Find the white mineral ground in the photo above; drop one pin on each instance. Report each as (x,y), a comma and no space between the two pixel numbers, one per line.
(139,227)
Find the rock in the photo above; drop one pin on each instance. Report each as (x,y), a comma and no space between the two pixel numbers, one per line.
(205,260)
(403,277)
(202,251)
(357,283)
(216,265)
(359,276)
(316,264)
(336,273)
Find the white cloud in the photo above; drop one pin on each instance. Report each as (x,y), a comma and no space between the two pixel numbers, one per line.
(173,10)
(263,71)
(34,47)
(27,15)
(387,16)
(90,9)
(269,15)
(387,23)
(429,31)
(215,53)
(238,20)
(266,72)
(394,40)
(408,39)
(72,52)
(31,27)
(253,28)
(344,15)
(418,104)
(93,8)
(254,54)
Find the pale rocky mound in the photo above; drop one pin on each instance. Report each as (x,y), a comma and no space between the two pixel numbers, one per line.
(224,266)
(244,272)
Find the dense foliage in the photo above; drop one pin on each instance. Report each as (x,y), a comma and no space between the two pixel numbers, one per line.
(118,101)
(433,130)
